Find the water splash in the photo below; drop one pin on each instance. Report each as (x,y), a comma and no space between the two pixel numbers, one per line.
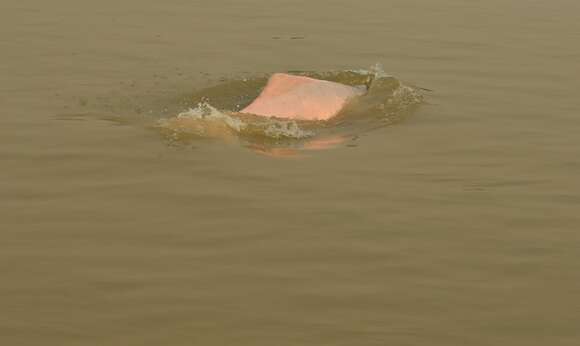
(206,112)
(286,129)
(204,120)
(214,110)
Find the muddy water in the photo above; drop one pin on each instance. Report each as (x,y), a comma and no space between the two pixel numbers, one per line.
(458,225)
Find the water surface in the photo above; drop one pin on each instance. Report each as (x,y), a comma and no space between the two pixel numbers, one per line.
(457,225)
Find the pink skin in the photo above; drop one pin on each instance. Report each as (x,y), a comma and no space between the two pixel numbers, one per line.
(301,98)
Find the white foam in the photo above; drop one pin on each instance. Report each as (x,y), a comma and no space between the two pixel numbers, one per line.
(406,96)
(376,70)
(285,129)
(205,111)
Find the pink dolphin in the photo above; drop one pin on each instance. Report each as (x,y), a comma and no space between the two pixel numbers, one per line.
(301,98)
(289,97)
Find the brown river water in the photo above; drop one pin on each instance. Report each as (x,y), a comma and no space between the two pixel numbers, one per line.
(456,224)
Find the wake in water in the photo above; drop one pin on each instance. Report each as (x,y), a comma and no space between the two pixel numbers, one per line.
(216,114)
